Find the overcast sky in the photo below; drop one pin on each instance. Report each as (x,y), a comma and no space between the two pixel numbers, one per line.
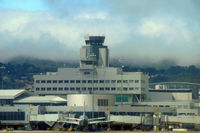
(135,30)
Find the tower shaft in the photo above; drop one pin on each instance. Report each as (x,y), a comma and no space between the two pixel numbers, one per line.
(94,52)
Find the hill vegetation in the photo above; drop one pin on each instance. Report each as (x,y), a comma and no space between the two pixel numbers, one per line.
(19,73)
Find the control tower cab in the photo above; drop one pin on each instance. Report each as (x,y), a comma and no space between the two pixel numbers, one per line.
(94,53)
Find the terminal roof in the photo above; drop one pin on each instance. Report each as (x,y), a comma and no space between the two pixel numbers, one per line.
(10,93)
(42,99)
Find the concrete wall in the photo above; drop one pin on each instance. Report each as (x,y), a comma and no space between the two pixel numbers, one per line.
(103,57)
(169,96)
(89,99)
(107,73)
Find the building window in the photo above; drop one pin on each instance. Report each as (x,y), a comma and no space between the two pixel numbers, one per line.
(48,89)
(42,89)
(84,81)
(89,89)
(125,81)
(125,89)
(48,81)
(77,89)
(131,81)
(60,81)
(72,89)
(118,98)
(66,88)
(95,81)
(12,116)
(60,89)
(84,89)
(101,81)
(95,89)
(125,99)
(43,81)
(37,89)
(107,89)
(54,81)
(131,89)
(86,73)
(102,102)
(66,81)
(113,89)
(78,81)
(101,89)
(113,81)
(107,81)
(137,89)
(54,89)
(119,81)
(72,81)
(89,81)
(37,81)
(136,81)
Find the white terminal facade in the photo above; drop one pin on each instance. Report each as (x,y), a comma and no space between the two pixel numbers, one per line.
(94,77)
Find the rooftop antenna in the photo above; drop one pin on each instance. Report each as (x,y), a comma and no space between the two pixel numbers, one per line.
(84,108)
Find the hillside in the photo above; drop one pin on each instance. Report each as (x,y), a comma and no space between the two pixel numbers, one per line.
(19,73)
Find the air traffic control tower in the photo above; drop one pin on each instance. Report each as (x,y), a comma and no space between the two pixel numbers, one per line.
(94,76)
(94,53)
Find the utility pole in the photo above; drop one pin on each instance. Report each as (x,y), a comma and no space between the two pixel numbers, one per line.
(122,84)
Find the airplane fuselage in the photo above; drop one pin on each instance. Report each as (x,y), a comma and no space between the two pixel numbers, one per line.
(83,123)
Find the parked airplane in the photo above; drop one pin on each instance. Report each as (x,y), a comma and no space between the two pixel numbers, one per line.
(83,122)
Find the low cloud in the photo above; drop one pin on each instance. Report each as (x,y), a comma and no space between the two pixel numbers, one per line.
(146,31)
(171,29)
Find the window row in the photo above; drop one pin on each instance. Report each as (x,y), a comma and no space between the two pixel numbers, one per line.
(85,89)
(89,81)
(102,102)
(12,116)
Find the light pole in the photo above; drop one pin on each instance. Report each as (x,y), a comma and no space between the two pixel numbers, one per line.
(122,84)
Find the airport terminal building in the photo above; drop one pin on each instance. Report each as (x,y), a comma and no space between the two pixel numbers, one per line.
(94,77)
(97,90)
